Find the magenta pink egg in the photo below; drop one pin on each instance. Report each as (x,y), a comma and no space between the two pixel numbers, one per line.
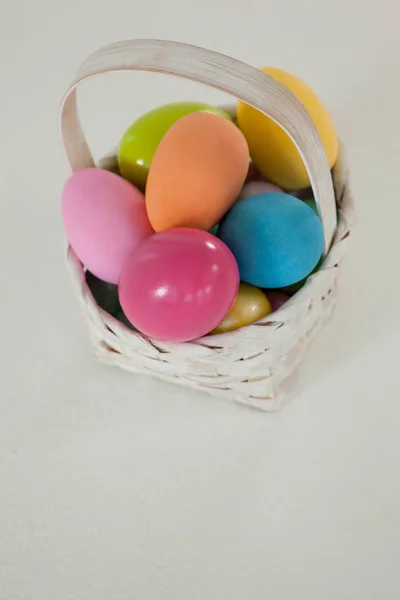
(179,284)
(105,220)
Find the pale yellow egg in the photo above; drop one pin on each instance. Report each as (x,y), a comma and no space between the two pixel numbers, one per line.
(250,305)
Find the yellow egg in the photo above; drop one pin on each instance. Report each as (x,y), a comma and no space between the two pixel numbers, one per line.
(271,149)
(250,306)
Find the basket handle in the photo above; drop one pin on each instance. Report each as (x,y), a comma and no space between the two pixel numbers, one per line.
(218,71)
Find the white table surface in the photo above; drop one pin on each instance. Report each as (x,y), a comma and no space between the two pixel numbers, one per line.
(119,487)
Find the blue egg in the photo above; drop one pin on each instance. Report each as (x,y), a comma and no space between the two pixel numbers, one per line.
(276,239)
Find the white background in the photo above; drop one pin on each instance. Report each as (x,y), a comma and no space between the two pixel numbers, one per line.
(118,487)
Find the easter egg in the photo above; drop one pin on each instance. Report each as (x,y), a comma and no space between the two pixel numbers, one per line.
(214,230)
(313,205)
(276,239)
(276,298)
(105,294)
(303,194)
(250,306)
(257,187)
(197,172)
(295,287)
(179,284)
(120,316)
(253,174)
(105,220)
(141,140)
(271,149)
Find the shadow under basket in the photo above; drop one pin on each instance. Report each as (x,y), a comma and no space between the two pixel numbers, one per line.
(253,365)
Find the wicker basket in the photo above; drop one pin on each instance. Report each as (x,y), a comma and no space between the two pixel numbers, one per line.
(253,365)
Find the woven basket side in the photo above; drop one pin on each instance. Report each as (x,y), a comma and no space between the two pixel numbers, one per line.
(254,365)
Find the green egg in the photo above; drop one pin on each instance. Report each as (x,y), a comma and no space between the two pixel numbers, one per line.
(313,205)
(214,230)
(141,140)
(295,287)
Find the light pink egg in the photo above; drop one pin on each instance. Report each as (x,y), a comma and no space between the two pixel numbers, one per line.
(105,220)
(257,187)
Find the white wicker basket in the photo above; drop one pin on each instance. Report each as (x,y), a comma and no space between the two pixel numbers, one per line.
(254,364)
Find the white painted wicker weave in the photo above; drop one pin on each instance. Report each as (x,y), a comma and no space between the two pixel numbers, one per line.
(253,365)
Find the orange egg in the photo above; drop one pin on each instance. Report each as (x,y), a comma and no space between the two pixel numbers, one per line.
(197,172)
